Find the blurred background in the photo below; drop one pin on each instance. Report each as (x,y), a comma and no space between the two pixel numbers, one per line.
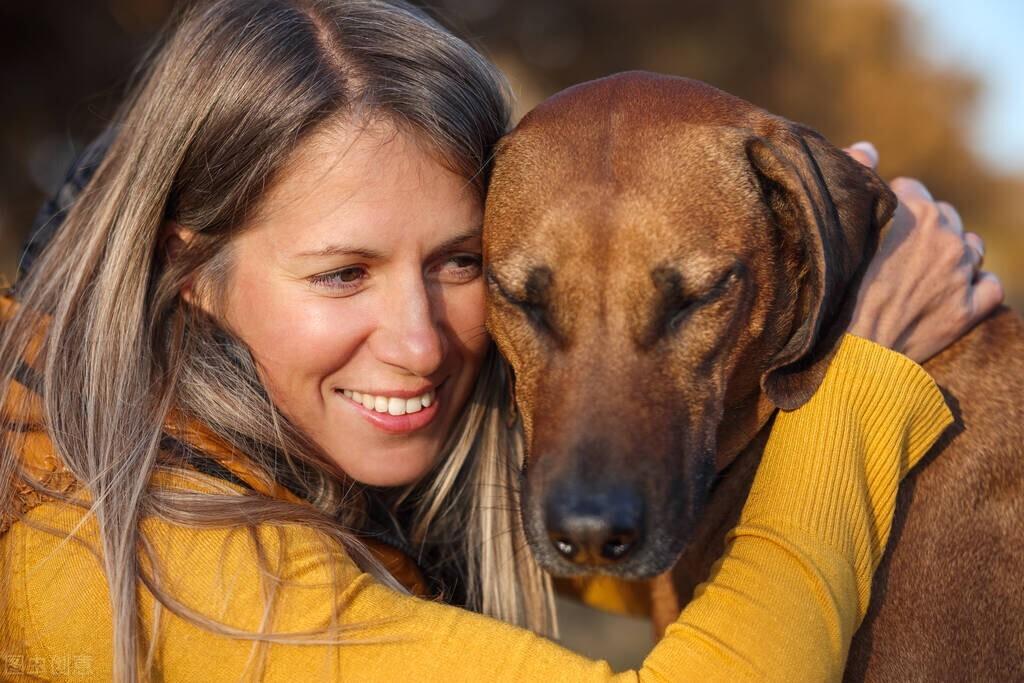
(936,84)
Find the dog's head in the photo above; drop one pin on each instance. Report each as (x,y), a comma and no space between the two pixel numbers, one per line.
(666,263)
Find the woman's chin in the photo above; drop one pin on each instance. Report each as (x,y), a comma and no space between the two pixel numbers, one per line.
(392,479)
(390,469)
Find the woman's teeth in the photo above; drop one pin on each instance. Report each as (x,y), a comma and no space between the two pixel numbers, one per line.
(392,405)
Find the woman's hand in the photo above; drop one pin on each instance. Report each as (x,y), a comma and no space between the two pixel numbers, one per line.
(924,288)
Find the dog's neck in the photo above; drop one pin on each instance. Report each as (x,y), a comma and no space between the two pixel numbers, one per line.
(736,468)
(739,429)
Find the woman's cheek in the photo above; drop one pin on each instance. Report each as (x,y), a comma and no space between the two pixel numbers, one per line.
(301,343)
(467,315)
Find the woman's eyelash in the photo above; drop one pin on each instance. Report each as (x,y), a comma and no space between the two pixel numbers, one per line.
(466,266)
(470,267)
(342,278)
(473,260)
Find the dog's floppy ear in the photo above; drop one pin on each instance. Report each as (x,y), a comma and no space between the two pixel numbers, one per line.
(831,209)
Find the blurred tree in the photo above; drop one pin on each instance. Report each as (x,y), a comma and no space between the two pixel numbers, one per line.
(849,68)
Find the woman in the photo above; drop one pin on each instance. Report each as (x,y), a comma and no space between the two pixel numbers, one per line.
(248,384)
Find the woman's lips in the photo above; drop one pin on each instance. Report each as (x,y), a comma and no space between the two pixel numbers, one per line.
(398,424)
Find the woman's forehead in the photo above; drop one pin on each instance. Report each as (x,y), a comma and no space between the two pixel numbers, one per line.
(365,184)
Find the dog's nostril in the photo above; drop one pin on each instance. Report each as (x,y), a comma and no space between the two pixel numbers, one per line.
(565,547)
(601,526)
(618,547)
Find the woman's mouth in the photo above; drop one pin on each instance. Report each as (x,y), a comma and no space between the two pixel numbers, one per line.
(392,405)
(395,412)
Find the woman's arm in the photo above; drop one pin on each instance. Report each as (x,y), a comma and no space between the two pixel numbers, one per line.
(817,521)
(781,605)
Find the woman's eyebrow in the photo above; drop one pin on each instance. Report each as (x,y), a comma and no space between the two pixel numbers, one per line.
(372,254)
(473,233)
(342,250)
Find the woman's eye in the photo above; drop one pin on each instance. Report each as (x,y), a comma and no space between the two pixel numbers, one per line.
(343,279)
(461,268)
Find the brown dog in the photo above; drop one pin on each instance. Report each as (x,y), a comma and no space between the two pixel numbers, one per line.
(668,265)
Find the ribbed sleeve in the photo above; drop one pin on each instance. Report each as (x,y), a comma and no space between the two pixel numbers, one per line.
(876,414)
(785,600)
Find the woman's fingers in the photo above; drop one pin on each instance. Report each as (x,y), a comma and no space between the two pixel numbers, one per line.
(986,295)
(973,257)
(949,217)
(924,288)
(865,153)
(912,191)
(977,245)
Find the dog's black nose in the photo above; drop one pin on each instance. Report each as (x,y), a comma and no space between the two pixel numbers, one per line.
(596,527)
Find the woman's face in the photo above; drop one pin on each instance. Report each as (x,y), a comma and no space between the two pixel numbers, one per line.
(358,289)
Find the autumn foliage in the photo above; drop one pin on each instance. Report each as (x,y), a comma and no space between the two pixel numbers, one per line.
(849,69)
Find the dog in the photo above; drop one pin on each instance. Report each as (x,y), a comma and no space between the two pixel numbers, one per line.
(667,266)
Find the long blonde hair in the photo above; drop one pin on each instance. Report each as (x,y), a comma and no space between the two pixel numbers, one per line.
(222,101)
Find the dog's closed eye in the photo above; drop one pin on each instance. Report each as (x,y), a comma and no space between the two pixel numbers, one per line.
(676,302)
(534,301)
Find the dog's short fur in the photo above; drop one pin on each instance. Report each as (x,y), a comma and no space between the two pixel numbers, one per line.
(669,264)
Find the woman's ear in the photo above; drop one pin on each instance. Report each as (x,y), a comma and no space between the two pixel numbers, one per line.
(174,238)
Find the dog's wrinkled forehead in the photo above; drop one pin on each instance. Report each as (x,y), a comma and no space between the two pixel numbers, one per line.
(637,153)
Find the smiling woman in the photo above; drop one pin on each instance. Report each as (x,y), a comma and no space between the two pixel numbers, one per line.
(309,226)
(359,274)
(249,378)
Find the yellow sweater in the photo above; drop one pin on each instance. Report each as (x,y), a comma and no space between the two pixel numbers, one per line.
(782,604)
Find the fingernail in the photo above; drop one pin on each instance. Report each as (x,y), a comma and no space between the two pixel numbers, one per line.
(867,148)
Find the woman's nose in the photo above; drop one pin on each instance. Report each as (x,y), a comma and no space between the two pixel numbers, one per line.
(410,335)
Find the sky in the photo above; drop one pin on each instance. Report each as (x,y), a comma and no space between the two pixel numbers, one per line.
(987,38)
